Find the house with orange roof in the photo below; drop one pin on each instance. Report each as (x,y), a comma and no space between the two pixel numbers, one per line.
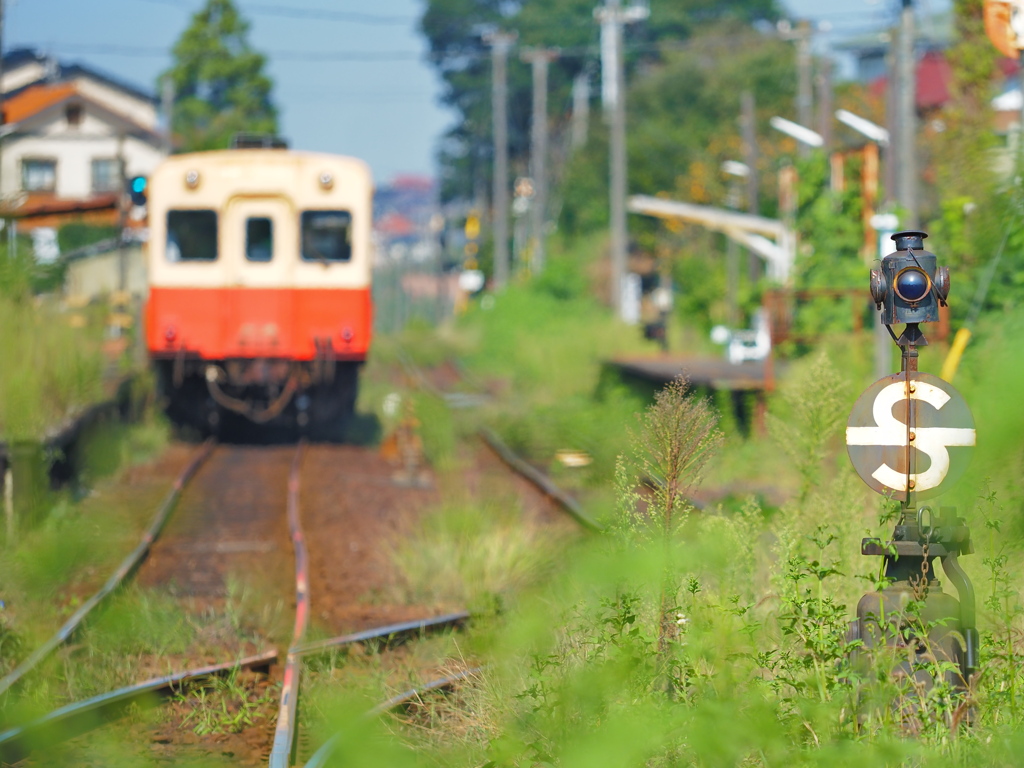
(70,136)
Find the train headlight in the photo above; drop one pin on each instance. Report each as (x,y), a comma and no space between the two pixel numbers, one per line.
(326,180)
(347,335)
(170,334)
(192,179)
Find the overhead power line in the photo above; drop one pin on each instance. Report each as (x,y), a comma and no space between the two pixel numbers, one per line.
(144,51)
(321,14)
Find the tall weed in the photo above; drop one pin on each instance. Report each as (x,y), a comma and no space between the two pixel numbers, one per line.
(472,555)
(49,369)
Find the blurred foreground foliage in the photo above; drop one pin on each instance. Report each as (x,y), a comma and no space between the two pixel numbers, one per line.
(712,637)
(49,368)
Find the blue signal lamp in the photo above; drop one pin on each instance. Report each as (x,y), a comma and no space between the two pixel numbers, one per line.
(137,186)
(908,286)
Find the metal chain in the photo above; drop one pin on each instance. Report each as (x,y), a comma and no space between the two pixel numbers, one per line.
(925,565)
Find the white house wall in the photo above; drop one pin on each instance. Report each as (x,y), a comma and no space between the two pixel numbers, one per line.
(74,154)
(22,76)
(100,275)
(140,111)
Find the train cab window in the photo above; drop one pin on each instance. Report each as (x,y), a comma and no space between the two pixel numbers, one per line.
(326,236)
(259,238)
(191,235)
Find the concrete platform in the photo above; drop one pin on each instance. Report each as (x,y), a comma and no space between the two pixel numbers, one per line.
(711,372)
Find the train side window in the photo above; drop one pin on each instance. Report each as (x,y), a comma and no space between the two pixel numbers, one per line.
(259,238)
(191,235)
(326,236)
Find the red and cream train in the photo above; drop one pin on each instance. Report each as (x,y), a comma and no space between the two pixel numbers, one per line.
(259,269)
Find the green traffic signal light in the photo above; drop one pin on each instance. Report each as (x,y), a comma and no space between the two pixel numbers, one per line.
(137,189)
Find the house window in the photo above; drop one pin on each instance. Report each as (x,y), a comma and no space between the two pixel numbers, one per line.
(105,176)
(38,175)
(73,114)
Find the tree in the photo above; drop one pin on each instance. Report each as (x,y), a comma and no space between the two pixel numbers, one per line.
(219,84)
(455,30)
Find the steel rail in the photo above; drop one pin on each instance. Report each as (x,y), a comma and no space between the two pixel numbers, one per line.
(322,755)
(82,716)
(287,717)
(535,476)
(454,400)
(396,631)
(539,479)
(123,571)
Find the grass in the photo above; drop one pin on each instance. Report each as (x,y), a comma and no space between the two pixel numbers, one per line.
(76,543)
(752,669)
(340,687)
(50,369)
(227,704)
(720,643)
(476,554)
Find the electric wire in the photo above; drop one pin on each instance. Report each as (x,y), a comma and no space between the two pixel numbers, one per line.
(320,14)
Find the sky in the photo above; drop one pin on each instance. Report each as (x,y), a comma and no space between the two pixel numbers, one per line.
(380,103)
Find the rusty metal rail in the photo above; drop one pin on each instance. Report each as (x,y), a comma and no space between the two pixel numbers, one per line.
(539,479)
(322,755)
(123,571)
(287,719)
(391,632)
(82,716)
(506,454)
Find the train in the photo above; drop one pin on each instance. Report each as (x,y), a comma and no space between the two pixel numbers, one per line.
(259,308)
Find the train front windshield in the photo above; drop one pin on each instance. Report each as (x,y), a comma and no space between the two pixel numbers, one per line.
(191,235)
(326,236)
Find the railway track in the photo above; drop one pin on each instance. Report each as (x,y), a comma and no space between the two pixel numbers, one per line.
(123,572)
(518,465)
(193,559)
(232,521)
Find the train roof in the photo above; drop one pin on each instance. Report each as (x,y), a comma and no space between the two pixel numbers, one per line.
(245,156)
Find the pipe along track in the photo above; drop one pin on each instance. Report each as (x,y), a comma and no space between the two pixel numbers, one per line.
(284,734)
(282,752)
(120,574)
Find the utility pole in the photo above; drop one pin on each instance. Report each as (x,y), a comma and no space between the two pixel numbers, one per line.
(580,109)
(612,17)
(891,124)
(732,255)
(167,107)
(749,126)
(539,58)
(1,84)
(804,97)
(906,178)
(1020,124)
(825,109)
(501,43)
(122,217)
(804,88)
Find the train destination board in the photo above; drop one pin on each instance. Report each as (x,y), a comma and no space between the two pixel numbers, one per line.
(911,435)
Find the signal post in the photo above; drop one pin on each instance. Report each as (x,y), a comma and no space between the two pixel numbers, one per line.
(910,436)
